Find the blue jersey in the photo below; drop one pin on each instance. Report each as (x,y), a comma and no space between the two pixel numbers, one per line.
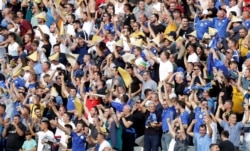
(78,141)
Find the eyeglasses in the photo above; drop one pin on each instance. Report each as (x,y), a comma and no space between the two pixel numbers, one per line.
(228,52)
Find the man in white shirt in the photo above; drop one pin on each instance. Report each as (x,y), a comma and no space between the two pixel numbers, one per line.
(102,143)
(45,132)
(13,45)
(192,57)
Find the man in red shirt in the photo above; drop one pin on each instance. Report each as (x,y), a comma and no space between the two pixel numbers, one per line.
(25,26)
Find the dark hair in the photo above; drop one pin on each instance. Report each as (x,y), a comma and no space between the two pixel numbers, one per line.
(13,35)
(3,106)
(225,133)
(212,145)
(203,126)
(156,16)
(128,5)
(56,45)
(146,91)
(181,103)
(68,126)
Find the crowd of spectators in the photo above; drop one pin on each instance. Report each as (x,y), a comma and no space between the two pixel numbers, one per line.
(104,75)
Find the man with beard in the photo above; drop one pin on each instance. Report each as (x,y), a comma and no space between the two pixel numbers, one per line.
(78,136)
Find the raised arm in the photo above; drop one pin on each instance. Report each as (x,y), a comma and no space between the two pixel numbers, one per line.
(246,114)
(64,90)
(189,130)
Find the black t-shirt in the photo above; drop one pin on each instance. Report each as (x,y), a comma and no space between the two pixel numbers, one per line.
(127,19)
(179,88)
(158,28)
(150,130)
(226,146)
(185,32)
(139,125)
(48,49)
(135,85)
(14,141)
(128,118)
(214,12)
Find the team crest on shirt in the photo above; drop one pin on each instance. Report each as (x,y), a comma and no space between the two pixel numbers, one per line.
(82,137)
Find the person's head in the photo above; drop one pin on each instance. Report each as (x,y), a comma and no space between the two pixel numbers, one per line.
(179,77)
(231,43)
(211,3)
(127,7)
(142,18)
(224,135)
(11,37)
(68,127)
(221,13)
(151,107)
(184,22)
(66,117)
(38,112)
(46,66)
(93,111)
(214,147)
(164,55)
(191,48)
(154,18)
(71,18)
(146,75)
(245,14)
(126,109)
(77,24)
(228,104)
(68,7)
(232,118)
(17,119)
(148,92)
(28,135)
(100,138)
(27,38)
(243,32)
(232,3)
(106,17)
(72,91)
(180,105)
(203,103)
(56,48)
(79,127)
(62,110)
(110,8)
(2,109)
(177,13)
(155,97)
(203,130)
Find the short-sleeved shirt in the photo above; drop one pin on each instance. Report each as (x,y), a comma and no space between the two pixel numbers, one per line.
(78,141)
(15,141)
(29,144)
(203,143)
(234,132)
(245,83)
(164,69)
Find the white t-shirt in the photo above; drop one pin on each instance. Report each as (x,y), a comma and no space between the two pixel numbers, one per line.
(70,30)
(41,135)
(88,26)
(45,30)
(12,49)
(164,69)
(103,145)
(59,132)
(42,74)
(110,44)
(235,8)
(193,58)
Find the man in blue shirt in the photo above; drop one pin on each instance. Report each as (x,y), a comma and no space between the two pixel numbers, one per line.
(202,24)
(78,136)
(167,113)
(221,22)
(203,138)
